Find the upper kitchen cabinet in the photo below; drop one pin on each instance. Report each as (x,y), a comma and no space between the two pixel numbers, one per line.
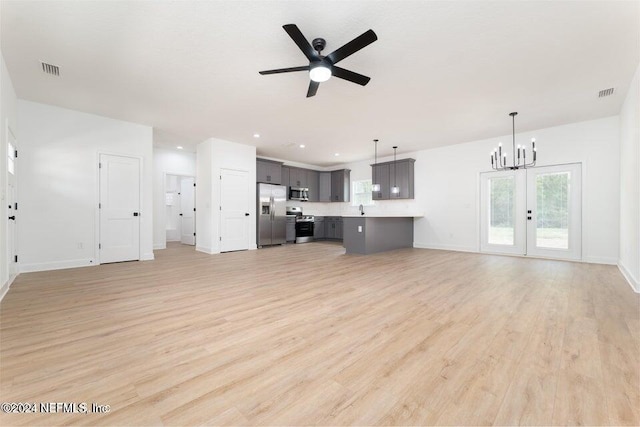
(325,186)
(340,185)
(380,175)
(298,177)
(285,177)
(313,184)
(387,174)
(268,171)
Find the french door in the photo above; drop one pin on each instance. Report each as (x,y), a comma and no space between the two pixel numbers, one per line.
(534,212)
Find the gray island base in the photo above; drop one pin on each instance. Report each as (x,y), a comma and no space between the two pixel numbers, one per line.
(368,235)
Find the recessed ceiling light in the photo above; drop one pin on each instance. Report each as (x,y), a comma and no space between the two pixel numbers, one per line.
(179,147)
(337,154)
(256,135)
(302,145)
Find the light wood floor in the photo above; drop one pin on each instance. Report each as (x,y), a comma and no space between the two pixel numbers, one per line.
(305,335)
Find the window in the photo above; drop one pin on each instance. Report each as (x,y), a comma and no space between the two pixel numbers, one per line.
(361,193)
(11,153)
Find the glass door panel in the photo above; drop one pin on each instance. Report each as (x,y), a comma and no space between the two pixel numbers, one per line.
(554,220)
(502,199)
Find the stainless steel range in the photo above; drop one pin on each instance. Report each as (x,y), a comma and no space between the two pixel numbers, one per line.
(304,225)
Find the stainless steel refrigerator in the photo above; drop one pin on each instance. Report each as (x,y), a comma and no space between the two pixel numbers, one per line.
(272,214)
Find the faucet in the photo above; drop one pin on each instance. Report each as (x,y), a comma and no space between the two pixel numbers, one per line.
(361,209)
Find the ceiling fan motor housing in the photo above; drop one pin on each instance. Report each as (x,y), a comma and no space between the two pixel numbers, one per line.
(319,44)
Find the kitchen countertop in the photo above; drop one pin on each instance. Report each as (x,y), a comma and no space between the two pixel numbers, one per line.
(385,215)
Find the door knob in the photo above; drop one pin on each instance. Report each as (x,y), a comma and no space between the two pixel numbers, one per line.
(529,218)
(136,214)
(246,214)
(13,217)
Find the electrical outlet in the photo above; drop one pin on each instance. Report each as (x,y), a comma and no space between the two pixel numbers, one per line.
(359,229)
(79,245)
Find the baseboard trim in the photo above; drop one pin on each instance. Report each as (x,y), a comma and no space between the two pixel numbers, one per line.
(633,282)
(205,249)
(161,246)
(600,260)
(147,257)
(444,247)
(56,265)
(5,288)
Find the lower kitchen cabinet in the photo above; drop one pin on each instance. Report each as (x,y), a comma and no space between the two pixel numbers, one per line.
(318,228)
(333,227)
(291,229)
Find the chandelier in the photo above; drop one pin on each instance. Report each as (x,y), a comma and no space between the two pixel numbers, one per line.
(499,160)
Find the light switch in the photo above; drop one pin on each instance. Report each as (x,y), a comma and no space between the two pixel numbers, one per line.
(359,229)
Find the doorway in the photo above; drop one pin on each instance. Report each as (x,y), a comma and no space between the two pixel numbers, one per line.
(534,212)
(12,204)
(180,209)
(119,208)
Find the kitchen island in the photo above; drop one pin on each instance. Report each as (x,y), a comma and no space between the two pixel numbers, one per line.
(369,234)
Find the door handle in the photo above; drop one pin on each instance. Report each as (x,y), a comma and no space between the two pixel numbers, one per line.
(180,214)
(136,214)
(245,214)
(529,218)
(13,217)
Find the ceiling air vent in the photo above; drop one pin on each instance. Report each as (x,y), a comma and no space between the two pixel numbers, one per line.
(605,92)
(54,70)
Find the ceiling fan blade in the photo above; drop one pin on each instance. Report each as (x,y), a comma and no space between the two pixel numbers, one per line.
(301,41)
(285,70)
(350,75)
(313,88)
(353,46)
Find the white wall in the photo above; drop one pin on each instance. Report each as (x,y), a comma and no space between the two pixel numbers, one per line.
(58,178)
(213,155)
(165,162)
(629,262)
(8,116)
(446,187)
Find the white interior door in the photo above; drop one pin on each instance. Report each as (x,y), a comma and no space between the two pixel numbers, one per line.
(554,214)
(535,212)
(235,202)
(187,209)
(502,206)
(119,208)
(12,242)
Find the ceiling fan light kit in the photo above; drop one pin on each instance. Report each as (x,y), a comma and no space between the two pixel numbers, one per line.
(499,160)
(320,67)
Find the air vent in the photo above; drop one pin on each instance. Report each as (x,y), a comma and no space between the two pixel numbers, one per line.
(605,92)
(54,70)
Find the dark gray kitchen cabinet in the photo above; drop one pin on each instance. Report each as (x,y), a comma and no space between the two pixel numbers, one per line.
(333,227)
(340,185)
(298,177)
(291,229)
(285,177)
(268,171)
(325,187)
(380,175)
(318,228)
(389,174)
(313,184)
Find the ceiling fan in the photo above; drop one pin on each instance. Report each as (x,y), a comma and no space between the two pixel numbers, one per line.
(321,68)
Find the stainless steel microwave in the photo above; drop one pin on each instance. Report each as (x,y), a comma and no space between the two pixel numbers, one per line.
(297,193)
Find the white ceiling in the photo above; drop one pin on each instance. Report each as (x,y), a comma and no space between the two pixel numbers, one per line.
(442,72)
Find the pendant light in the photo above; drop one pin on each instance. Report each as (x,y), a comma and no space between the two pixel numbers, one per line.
(499,160)
(375,187)
(395,189)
